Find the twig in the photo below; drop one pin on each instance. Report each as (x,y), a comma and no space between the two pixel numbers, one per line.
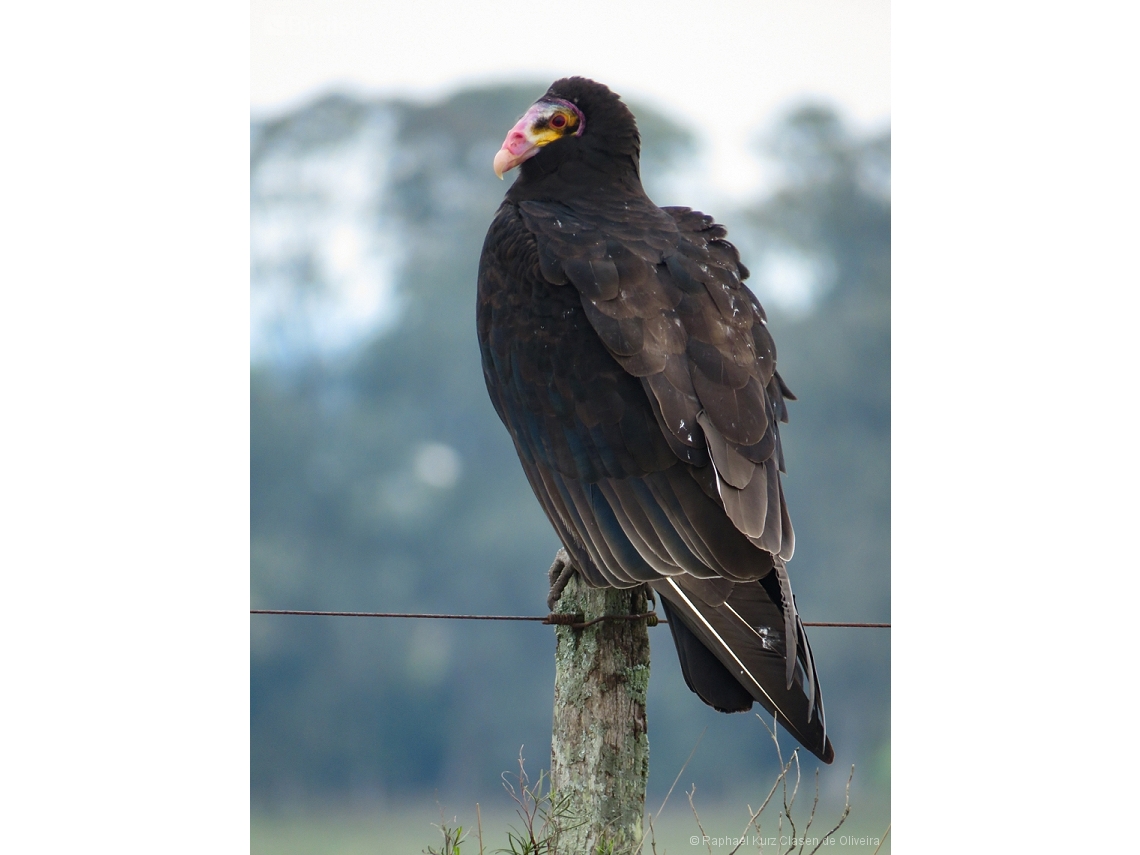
(882,840)
(704,836)
(453,835)
(783,779)
(843,818)
(754,815)
(789,805)
(811,816)
(479,826)
(666,799)
(681,772)
(523,810)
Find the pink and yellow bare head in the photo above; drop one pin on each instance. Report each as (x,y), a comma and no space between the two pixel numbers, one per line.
(549,120)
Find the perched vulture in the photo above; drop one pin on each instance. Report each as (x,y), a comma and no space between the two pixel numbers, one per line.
(637,377)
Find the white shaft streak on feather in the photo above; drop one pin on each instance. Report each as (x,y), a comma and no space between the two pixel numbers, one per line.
(712,459)
(791,619)
(811,687)
(764,642)
(716,635)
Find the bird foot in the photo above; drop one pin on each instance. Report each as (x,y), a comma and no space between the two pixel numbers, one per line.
(560,572)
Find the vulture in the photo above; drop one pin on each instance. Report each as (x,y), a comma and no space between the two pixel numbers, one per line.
(636,374)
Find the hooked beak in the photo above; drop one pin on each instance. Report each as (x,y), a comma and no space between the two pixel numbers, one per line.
(517,147)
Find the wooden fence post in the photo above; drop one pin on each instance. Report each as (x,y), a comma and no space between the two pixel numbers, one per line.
(600,745)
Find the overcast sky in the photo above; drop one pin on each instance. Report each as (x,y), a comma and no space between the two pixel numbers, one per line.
(725,68)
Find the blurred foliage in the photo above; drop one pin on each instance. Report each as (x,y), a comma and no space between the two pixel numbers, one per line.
(382,480)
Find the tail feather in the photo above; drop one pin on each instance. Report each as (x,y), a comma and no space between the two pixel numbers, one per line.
(792,626)
(705,676)
(745,640)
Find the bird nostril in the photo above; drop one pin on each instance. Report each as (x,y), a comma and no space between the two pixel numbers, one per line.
(516,142)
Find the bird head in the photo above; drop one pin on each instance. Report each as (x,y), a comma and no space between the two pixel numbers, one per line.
(576,120)
(547,121)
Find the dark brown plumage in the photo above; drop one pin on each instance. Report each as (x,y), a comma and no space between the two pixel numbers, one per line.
(637,377)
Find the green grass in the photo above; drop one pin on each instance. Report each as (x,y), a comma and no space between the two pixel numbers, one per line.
(409,830)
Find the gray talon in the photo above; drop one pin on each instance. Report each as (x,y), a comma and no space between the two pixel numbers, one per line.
(560,572)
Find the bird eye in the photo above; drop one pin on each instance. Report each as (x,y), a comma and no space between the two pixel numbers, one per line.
(558,121)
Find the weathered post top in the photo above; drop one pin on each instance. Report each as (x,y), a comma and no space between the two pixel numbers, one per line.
(600,744)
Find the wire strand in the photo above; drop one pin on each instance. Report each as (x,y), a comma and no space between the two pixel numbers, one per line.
(551,619)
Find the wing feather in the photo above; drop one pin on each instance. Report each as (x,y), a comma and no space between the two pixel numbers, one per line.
(656,455)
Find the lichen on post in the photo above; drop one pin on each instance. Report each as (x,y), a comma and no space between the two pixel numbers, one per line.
(600,745)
